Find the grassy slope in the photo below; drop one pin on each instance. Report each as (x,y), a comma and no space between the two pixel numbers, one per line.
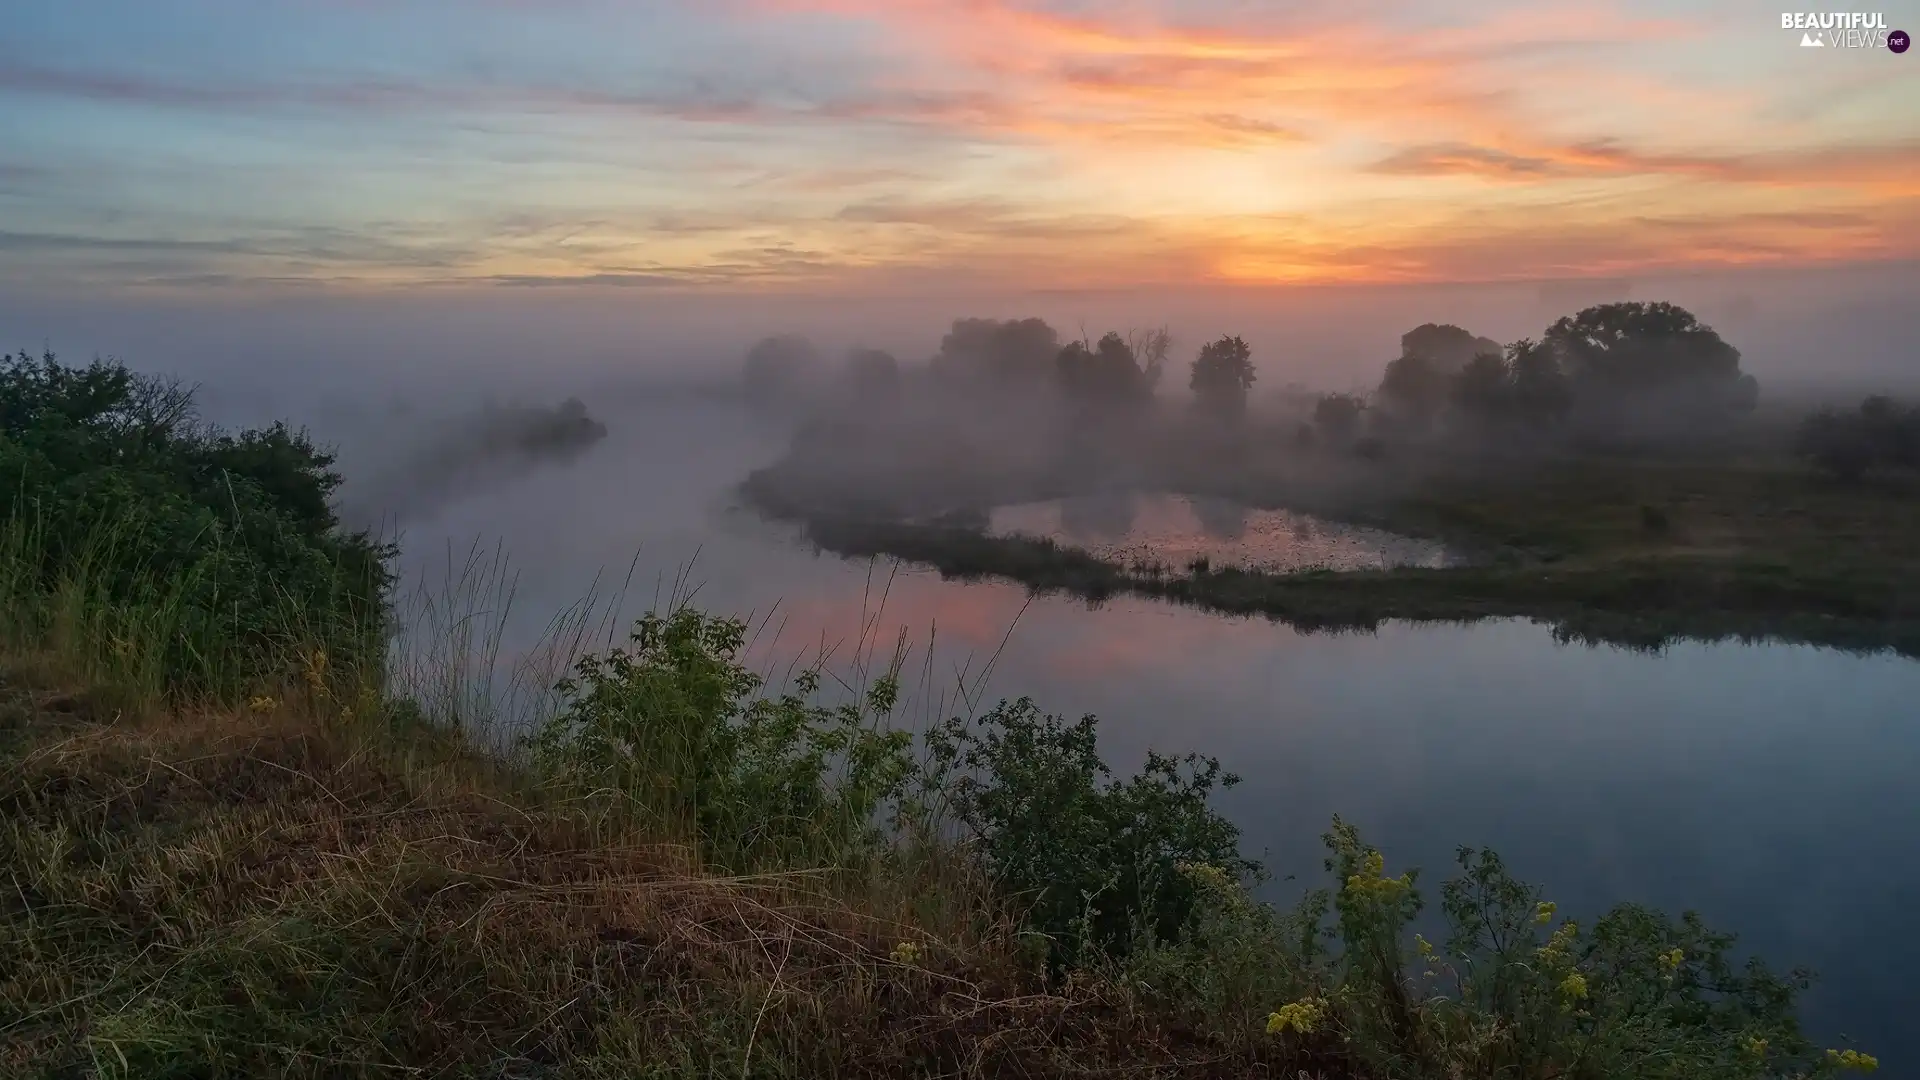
(229,893)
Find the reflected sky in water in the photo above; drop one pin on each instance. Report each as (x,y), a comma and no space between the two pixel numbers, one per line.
(1766,786)
(1140,530)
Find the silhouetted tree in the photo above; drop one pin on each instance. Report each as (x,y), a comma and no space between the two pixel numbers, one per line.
(873,374)
(1150,348)
(1446,346)
(777,366)
(1847,444)
(1337,416)
(1222,374)
(1105,376)
(1483,391)
(1413,390)
(1017,353)
(1541,394)
(1628,358)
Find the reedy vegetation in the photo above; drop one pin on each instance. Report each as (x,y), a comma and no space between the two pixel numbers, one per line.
(278,863)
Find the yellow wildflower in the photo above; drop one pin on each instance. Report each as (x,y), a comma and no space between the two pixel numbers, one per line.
(1671,959)
(1543,912)
(1853,1059)
(262,704)
(906,952)
(1303,1016)
(1425,946)
(1574,986)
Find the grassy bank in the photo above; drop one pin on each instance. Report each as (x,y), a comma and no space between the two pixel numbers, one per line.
(290,864)
(1627,551)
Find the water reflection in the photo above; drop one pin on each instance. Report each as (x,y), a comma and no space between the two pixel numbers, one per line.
(1171,531)
(1763,785)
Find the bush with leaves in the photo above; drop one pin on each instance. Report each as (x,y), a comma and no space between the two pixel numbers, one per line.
(1090,858)
(223,546)
(1514,990)
(676,724)
(1880,433)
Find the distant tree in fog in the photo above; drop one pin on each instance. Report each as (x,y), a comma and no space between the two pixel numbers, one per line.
(1414,390)
(1541,393)
(1847,444)
(1446,348)
(1337,416)
(873,374)
(1016,353)
(1150,348)
(777,366)
(1221,377)
(1624,358)
(1105,376)
(1483,390)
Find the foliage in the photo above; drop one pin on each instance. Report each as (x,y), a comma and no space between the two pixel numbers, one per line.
(1337,416)
(112,489)
(991,353)
(1106,376)
(1447,348)
(677,724)
(1221,376)
(1878,433)
(873,374)
(1509,993)
(1091,859)
(1414,390)
(1622,356)
(777,366)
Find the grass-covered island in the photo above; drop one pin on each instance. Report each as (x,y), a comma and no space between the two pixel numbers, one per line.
(231,845)
(1619,478)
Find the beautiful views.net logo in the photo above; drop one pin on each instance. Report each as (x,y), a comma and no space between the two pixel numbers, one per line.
(1844,30)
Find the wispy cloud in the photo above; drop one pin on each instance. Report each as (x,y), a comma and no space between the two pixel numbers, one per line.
(1063,145)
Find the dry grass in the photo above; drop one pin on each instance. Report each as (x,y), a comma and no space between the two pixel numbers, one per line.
(243,894)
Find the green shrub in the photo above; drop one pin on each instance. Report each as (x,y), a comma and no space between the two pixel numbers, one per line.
(205,556)
(1514,991)
(1090,859)
(675,723)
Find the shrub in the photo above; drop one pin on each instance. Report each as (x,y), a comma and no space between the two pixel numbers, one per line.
(213,554)
(675,723)
(1091,860)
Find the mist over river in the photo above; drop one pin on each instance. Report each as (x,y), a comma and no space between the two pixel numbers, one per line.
(1768,787)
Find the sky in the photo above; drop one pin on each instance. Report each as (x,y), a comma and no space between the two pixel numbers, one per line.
(861,146)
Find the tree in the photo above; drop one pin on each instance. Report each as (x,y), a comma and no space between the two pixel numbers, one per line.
(1446,346)
(777,366)
(1541,395)
(1337,416)
(874,375)
(1414,389)
(1222,374)
(1104,376)
(1847,444)
(1483,390)
(1627,356)
(1150,348)
(988,352)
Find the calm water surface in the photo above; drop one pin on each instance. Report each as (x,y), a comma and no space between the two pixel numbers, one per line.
(1139,530)
(1769,787)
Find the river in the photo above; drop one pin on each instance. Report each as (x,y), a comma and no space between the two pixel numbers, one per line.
(1768,787)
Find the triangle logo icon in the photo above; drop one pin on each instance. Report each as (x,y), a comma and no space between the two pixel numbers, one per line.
(1808,41)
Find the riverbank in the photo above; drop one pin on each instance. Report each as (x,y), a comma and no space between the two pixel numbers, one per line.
(1632,552)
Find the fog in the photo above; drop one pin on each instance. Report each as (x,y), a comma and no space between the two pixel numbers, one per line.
(297,352)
